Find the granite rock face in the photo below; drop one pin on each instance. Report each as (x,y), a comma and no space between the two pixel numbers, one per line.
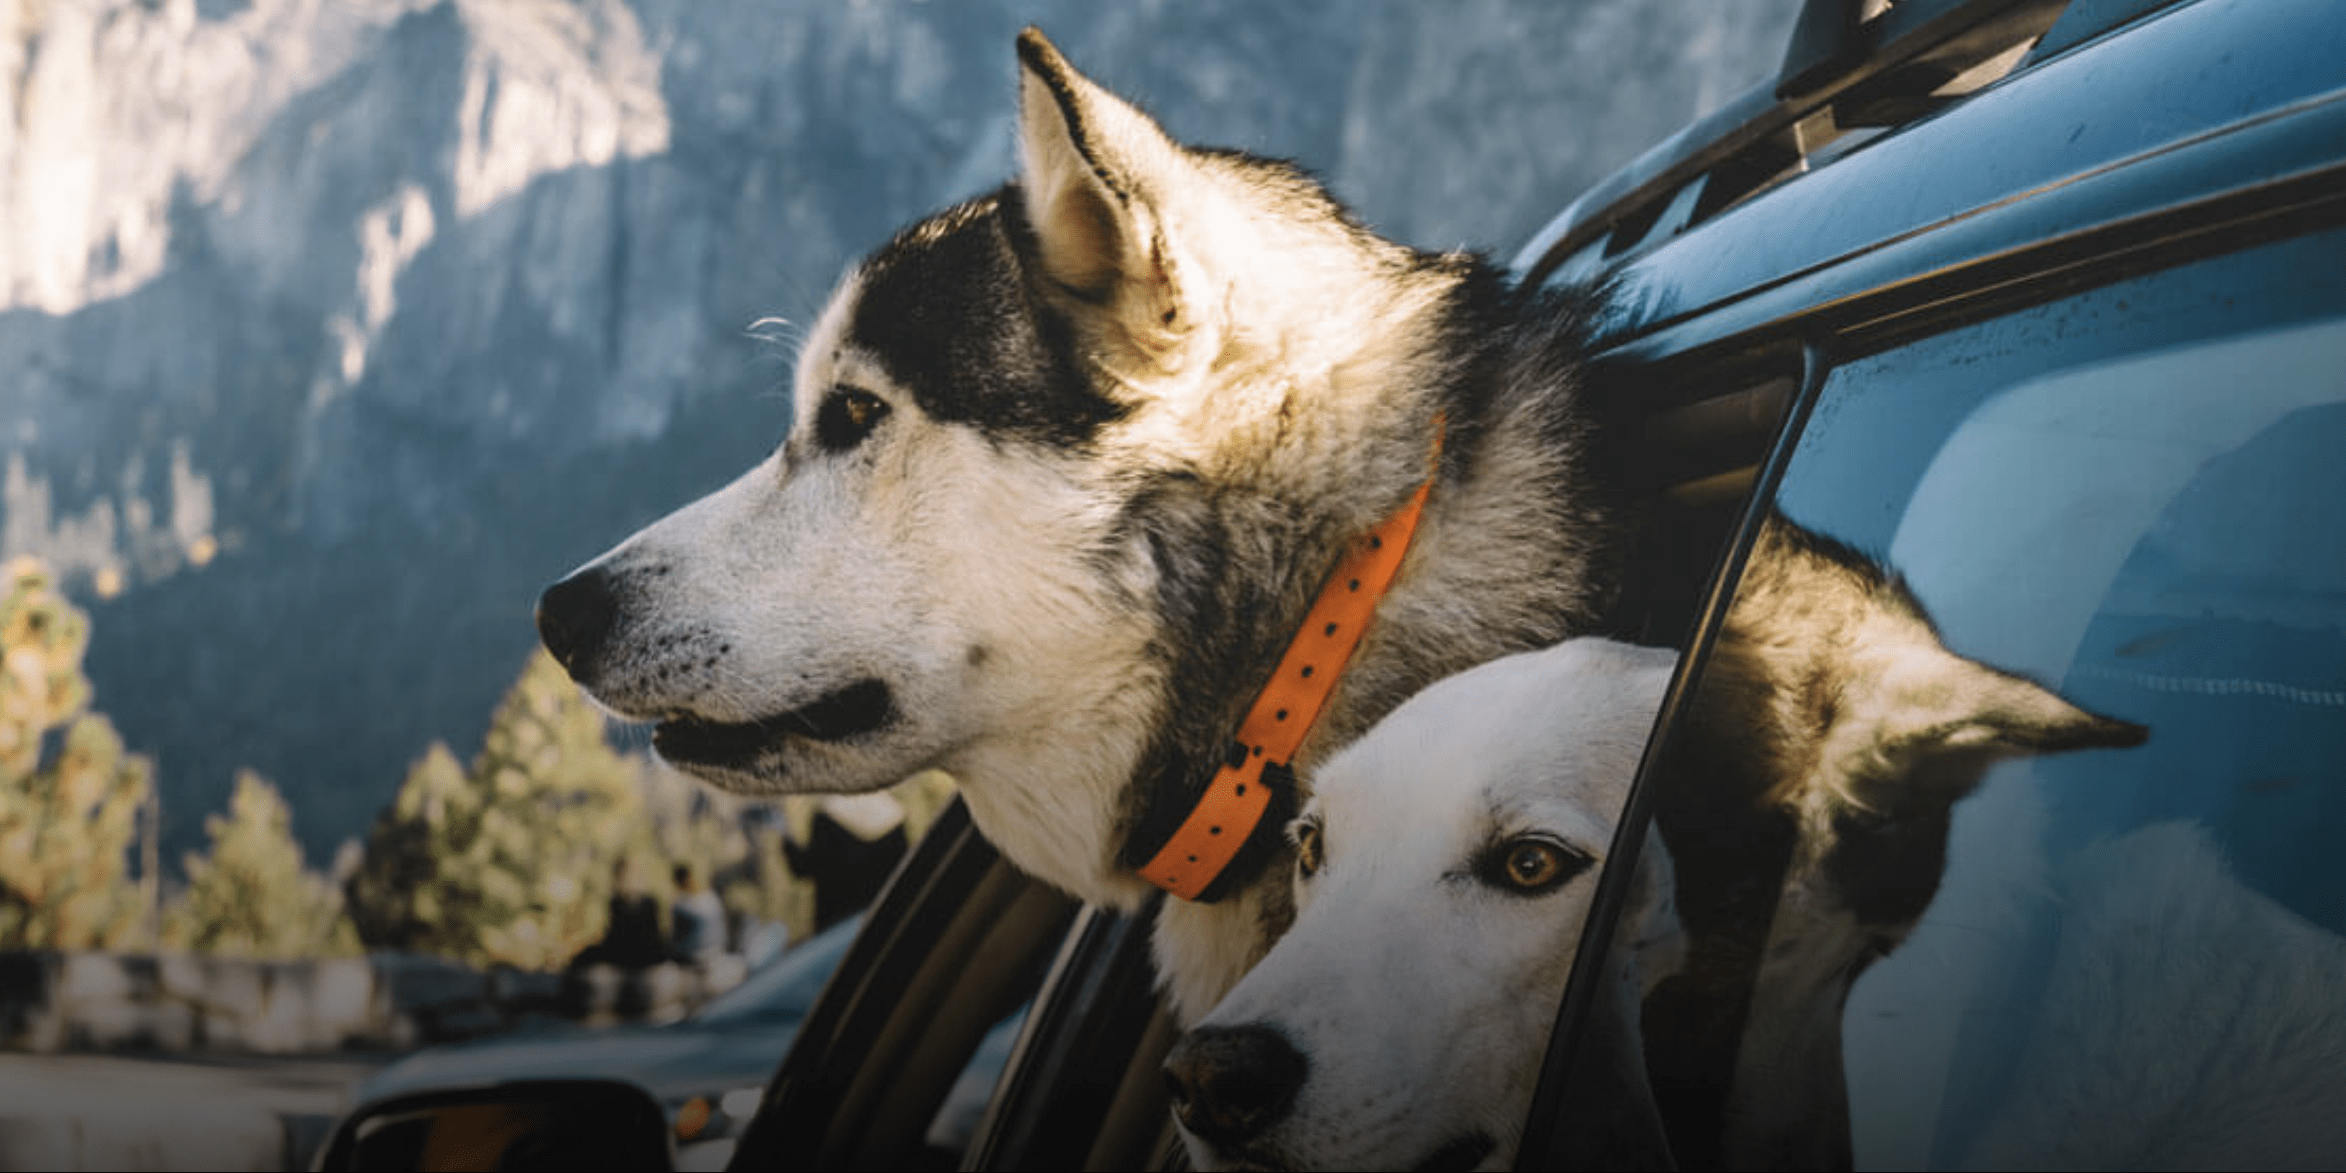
(330,332)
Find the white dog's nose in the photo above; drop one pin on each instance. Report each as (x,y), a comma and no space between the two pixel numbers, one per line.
(1229,1083)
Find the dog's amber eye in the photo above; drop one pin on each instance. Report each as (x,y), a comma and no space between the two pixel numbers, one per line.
(846,417)
(1531,865)
(1306,836)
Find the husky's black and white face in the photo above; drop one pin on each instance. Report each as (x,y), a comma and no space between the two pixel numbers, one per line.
(1023,431)
(929,567)
(921,544)
(1444,869)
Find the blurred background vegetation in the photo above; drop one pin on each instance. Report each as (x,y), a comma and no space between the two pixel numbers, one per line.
(510,861)
(68,818)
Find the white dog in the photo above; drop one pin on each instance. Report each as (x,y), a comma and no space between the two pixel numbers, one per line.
(1444,868)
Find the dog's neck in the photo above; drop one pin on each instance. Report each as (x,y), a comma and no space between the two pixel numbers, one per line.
(1235,823)
(1225,551)
(1514,551)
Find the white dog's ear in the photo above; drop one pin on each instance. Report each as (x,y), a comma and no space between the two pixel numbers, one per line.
(1095,172)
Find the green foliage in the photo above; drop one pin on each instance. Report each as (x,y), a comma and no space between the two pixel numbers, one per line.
(763,888)
(66,828)
(510,862)
(251,897)
(924,796)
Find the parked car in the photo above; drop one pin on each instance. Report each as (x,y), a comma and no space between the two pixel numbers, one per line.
(705,1072)
(2043,304)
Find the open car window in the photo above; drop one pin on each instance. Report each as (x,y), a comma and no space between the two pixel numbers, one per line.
(2005,816)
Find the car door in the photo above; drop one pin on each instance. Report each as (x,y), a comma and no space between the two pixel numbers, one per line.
(2128,498)
(2091,431)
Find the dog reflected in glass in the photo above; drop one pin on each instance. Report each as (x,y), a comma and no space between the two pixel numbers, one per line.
(1446,861)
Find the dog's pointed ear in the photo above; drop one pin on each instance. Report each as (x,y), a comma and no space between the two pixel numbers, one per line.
(1935,721)
(1886,717)
(1094,174)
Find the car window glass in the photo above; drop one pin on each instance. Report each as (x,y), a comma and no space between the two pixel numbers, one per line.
(959,1117)
(1994,930)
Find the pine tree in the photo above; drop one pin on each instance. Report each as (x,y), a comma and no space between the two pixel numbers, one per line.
(251,897)
(764,887)
(925,796)
(510,862)
(394,898)
(66,828)
(767,890)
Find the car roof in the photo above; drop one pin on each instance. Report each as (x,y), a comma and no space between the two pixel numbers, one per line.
(2259,78)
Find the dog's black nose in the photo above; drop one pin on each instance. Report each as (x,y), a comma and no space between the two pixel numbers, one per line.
(574,618)
(1229,1083)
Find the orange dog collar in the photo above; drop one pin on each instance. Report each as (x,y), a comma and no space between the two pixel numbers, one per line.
(1233,805)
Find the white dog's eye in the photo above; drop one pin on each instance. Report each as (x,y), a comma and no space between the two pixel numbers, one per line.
(1305,834)
(1531,865)
(846,417)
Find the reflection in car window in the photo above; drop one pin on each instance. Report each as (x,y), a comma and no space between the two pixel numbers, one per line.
(2131,497)
(1807,803)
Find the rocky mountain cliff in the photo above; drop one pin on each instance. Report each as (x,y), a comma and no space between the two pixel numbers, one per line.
(331,331)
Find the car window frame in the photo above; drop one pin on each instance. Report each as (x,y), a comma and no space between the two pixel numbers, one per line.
(1868,315)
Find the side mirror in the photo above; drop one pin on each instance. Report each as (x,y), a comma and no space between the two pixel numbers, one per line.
(551,1124)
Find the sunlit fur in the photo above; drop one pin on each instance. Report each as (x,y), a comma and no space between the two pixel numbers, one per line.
(1138,402)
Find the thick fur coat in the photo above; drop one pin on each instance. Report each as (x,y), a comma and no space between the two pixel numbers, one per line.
(1068,464)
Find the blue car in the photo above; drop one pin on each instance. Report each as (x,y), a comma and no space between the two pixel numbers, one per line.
(2040,306)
